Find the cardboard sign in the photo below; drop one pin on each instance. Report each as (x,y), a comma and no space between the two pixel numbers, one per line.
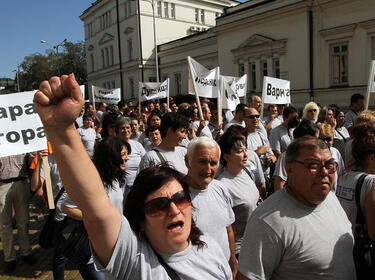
(149,91)
(275,91)
(109,96)
(206,83)
(21,130)
(232,88)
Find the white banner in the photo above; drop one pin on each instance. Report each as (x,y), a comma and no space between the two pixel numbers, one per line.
(21,130)
(109,96)
(371,80)
(149,91)
(275,91)
(203,81)
(232,89)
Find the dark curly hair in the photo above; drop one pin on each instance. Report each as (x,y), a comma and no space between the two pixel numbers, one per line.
(107,159)
(147,181)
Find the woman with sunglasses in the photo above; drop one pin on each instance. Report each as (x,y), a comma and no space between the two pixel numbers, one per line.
(240,182)
(311,112)
(326,134)
(162,225)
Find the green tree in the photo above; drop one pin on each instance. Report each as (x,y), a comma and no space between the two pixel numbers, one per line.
(38,67)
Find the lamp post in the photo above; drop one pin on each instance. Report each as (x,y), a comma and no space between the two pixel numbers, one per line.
(156,49)
(56,47)
(18,80)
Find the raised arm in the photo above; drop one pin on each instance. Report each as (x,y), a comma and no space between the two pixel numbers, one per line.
(58,103)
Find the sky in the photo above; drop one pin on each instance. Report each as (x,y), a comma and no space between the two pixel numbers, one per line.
(23,23)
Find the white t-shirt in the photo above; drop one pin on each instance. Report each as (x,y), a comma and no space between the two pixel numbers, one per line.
(245,195)
(88,136)
(233,122)
(280,139)
(285,239)
(212,213)
(350,117)
(205,131)
(137,152)
(276,122)
(340,137)
(134,258)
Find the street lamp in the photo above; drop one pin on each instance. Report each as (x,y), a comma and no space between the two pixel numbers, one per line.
(18,80)
(56,47)
(156,49)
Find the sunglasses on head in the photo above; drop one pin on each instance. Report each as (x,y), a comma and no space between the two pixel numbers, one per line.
(251,117)
(311,110)
(160,206)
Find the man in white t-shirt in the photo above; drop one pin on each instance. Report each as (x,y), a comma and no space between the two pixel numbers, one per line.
(238,117)
(300,232)
(256,102)
(212,202)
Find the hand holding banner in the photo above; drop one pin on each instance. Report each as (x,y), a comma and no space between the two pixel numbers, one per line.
(275,91)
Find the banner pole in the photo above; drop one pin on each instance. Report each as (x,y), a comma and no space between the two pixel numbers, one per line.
(51,203)
(219,110)
(92,96)
(261,110)
(168,95)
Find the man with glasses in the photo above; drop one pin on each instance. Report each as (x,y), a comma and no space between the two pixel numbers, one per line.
(301,231)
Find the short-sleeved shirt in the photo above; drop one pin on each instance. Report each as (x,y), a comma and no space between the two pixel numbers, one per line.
(213,212)
(346,193)
(276,122)
(285,239)
(350,117)
(245,195)
(255,166)
(175,158)
(88,136)
(137,152)
(340,137)
(205,131)
(14,166)
(256,140)
(134,258)
(280,139)
(233,122)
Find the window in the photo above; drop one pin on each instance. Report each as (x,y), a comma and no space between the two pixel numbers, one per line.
(276,68)
(152,79)
(178,83)
(202,16)
(339,64)
(103,59)
(373,48)
(264,69)
(166,13)
(173,10)
(111,55)
(107,56)
(241,69)
(113,84)
(131,86)
(159,8)
(253,76)
(196,15)
(92,62)
(130,49)
(105,20)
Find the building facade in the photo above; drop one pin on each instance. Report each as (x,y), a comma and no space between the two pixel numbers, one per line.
(323,47)
(119,36)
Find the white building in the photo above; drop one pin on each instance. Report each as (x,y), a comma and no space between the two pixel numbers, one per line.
(134,54)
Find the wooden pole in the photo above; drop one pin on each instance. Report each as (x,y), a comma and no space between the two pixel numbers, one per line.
(196,94)
(47,175)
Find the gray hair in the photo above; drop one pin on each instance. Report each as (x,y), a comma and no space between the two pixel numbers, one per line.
(122,120)
(200,141)
(305,142)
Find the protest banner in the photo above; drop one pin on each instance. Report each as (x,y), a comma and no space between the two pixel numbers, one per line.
(275,91)
(109,96)
(150,91)
(371,83)
(232,89)
(203,82)
(21,130)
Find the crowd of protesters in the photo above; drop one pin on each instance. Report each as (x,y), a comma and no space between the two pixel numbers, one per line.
(164,193)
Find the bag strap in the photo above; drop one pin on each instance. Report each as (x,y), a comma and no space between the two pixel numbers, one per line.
(159,155)
(252,177)
(59,195)
(170,271)
(358,188)
(341,135)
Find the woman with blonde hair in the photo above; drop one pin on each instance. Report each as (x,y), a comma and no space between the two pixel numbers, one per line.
(311,112)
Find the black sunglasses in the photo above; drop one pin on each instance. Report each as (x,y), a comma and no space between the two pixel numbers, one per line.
(251,117)
(160,206)
(327,139)
(311,110)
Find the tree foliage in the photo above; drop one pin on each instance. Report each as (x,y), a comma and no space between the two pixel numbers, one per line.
(70,58)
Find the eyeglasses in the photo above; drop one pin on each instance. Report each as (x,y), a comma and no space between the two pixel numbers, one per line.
(327,139)
(315,166)
(160,206)
(251,117)
(311,110)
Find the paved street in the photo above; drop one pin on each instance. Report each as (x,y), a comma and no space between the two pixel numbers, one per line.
(42,270)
